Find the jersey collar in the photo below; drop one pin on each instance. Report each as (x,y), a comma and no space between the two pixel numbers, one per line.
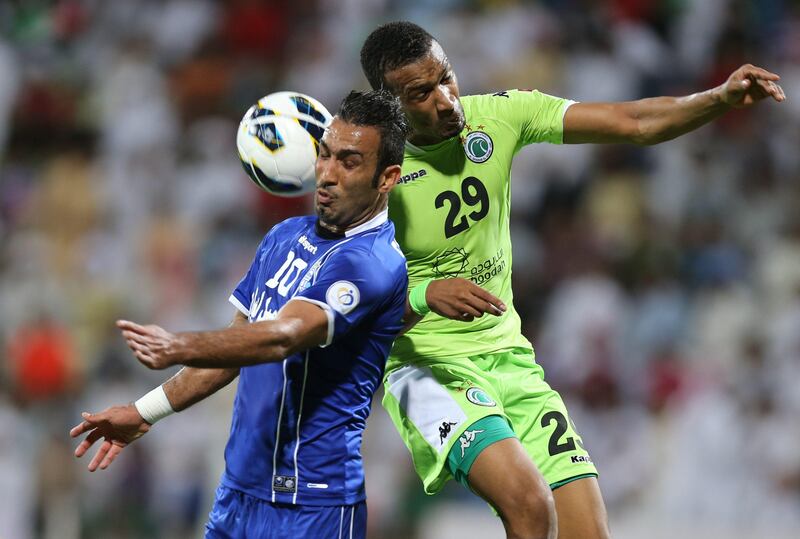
(416,150)
(375,222)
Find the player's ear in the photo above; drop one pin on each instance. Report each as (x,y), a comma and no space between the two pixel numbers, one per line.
(388,178)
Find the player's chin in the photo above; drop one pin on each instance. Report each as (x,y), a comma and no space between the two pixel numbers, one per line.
(450,130)
(323,211)
(328,216)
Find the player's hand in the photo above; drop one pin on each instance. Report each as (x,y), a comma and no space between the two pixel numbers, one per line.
(461,299)
(750,84)
(153,346)
(118,426)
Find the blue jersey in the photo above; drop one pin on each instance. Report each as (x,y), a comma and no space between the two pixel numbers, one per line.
(297,425)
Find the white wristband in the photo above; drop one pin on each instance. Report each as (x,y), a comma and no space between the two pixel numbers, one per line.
(154,406)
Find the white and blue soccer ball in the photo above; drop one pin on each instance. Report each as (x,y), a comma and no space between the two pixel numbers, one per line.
(278,142)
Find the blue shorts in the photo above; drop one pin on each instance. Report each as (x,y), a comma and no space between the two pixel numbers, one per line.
(237,515)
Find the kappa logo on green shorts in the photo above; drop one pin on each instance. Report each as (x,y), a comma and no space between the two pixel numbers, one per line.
(467,438)
(476,395)
(478,146)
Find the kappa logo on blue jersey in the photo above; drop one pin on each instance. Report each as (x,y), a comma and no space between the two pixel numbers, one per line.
(343,296)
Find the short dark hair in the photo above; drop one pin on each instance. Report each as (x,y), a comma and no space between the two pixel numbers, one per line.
(390,46)
(381,110)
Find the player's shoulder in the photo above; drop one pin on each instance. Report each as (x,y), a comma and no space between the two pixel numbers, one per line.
(488,109)
(375,251)
(492,99)
(379,243)
(289,227)
(502,99)
(300,222)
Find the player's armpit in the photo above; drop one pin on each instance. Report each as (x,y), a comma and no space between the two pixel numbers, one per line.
(238,318)
(410,318)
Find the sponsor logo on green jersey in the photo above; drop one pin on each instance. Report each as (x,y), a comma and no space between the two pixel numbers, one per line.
(450,263)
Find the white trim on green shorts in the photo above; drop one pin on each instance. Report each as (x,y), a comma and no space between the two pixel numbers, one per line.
(429,406)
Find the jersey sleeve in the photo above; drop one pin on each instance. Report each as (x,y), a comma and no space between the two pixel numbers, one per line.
(538,116)
(349,287)
(243,293)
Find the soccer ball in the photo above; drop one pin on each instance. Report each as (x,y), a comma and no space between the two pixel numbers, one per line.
(278,142)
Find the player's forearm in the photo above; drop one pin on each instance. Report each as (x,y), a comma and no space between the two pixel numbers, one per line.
(191,385)
(660,119)
(237,346)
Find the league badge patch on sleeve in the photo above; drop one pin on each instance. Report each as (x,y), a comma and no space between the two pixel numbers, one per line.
(342,296)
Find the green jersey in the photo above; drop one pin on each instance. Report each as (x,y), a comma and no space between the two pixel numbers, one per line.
(451,211)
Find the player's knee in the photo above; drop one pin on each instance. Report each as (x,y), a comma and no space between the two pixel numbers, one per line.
(531,515)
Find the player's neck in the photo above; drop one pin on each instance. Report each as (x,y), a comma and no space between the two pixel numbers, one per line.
(425,139)
(328,232)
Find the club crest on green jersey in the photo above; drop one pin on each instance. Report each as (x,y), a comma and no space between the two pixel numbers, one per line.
(476,395)
(478,146)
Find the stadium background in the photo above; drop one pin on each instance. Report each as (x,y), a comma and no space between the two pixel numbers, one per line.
(660,286)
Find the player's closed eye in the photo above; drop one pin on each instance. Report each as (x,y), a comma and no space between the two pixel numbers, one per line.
(350,164)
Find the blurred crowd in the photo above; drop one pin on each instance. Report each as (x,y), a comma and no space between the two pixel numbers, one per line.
(660,285)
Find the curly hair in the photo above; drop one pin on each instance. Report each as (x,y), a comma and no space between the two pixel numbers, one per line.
(390,46)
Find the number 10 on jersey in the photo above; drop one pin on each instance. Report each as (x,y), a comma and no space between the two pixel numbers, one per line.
(287,274)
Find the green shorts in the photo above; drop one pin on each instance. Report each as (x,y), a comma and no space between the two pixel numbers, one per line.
(433,404)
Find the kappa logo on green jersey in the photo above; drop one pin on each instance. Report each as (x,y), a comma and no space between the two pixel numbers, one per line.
(478,146)
(476,395)
(412,176)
